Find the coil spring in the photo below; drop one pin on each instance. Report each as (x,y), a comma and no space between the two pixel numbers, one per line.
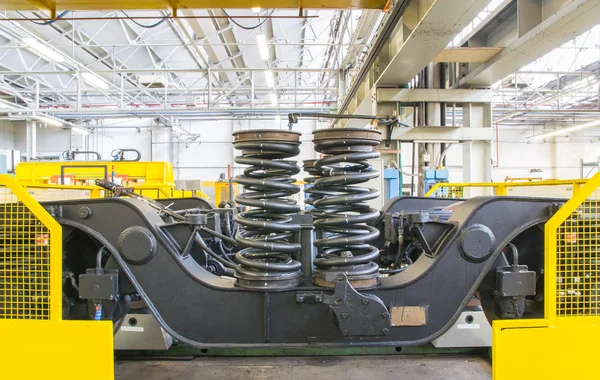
(267,262)
(340,215)
(312,194)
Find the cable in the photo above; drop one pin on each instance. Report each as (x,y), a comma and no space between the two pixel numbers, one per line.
(515,253)
(441,160)
(247,27)
(146,26)
(99,255)
(205,248)
(397,167)
(49,22)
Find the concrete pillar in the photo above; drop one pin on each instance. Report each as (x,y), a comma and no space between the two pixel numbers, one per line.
(31,136)
(477,155)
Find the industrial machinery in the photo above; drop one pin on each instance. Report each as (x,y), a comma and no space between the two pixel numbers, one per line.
(273,275)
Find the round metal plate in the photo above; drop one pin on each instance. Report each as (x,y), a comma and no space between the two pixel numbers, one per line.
(266,135)
(347,134)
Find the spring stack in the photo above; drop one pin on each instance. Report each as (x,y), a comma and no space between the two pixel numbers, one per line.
(269,260)
(312,194)
(342,213)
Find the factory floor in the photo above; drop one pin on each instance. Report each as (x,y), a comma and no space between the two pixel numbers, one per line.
(405,367)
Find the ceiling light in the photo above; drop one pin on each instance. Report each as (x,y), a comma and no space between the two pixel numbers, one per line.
(273,99)
(269,78)
(43,50)
(564,131)
(262,46)
(95,80)
(81,131)
(255,10)
(49,121)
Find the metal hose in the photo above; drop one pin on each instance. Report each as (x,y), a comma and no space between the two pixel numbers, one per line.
(341,215)
(266,231)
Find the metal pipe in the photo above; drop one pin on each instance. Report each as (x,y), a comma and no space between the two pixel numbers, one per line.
(42,19)
(383,35)
(412,177)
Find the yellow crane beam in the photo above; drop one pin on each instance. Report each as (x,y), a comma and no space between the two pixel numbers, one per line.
(52,6)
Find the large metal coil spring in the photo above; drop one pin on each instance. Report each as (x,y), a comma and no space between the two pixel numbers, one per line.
(312,194)
(266,230)
(342,213)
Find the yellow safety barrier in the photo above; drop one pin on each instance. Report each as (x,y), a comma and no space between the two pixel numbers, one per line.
(152,179)
(548,188)
(53,192)
(37,343)
(564,344)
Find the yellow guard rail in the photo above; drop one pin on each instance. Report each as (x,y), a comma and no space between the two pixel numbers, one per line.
(547,188)
(564,344)
(38,343)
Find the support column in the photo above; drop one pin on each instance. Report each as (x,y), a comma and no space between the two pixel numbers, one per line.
(31,137)
(477,154)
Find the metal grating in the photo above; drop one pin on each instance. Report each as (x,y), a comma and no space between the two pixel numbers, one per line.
(541,191)
(47,194)
(460,191)
(24,261)
(578,262)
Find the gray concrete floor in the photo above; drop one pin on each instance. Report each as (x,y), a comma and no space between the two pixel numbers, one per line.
(407,367)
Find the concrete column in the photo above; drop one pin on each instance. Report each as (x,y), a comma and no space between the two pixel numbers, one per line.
(31,137)
(477,155)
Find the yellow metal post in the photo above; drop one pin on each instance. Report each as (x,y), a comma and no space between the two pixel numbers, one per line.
(562,345)
(42,345)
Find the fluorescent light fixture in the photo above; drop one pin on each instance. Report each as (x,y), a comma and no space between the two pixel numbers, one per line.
(49,121)
(255,10)
(95,80)
(42,50)
(564,131)
(263,48)
(273,99)
(269,78)
(81,131)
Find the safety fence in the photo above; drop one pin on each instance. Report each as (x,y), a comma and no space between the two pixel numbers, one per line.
(30,252)
(53,192)
(548,189)
(31,298)
(562,344)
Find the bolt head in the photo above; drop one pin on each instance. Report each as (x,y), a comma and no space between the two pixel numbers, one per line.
(385,315)
(364,301)
(345,332)
(344,315)
(385,331)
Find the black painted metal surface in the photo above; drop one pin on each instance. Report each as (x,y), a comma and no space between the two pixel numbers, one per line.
(205,310)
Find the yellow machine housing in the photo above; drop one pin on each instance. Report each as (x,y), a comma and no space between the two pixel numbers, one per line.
(152,179)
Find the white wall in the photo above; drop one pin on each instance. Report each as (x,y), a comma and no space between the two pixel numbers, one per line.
(204,159)
(7,134)
(518,155)
(207,159)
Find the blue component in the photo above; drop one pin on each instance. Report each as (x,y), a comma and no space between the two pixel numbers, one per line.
(392,183)
(98,315)
(433,176)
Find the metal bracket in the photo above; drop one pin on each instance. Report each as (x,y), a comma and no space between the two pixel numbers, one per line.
(357,314)
(309,297)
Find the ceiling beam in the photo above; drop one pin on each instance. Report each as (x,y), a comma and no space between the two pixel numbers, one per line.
(92,5)
(425,28)
(539,31)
